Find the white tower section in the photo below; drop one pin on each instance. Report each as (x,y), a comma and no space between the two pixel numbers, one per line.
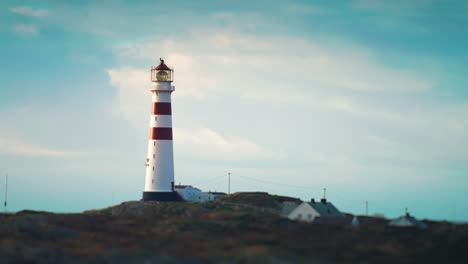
(159,179)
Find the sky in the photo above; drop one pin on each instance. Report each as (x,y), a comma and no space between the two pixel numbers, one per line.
(367,99)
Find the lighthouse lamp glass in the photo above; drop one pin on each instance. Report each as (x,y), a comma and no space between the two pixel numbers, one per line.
(162,76)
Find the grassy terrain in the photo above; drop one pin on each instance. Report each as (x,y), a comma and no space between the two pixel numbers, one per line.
(235,229)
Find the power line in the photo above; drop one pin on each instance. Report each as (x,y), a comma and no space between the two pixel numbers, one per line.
(250,183)
(210,180)
(362,203)
(279,184)
(354,202)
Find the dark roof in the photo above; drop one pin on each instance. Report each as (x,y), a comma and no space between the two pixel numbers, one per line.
(325,208)
(185,186)
(162,66)
(220,193)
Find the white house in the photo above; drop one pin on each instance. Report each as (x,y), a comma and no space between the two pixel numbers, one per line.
(355,222)
(407,221)
(308,211)
(210,196)
(193,194)
(188,192)
(288,207)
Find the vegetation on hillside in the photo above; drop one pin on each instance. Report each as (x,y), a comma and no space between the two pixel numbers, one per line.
(217,232)
(258,199)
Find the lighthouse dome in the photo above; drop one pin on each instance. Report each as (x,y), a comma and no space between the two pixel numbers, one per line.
(161,73)
(162,66)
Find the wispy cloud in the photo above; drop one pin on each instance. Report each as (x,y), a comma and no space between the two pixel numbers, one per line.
(26,30)
(132,84)
(199,142)
(342,104)
(406,133)
(207,143)
(393,5)
(362,109)
(224,60)
(306,9)
(19,147)
(28,11)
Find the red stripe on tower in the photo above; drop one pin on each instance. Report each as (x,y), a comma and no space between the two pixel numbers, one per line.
(160,133)
(161,109)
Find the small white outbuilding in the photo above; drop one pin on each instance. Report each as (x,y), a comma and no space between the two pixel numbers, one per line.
(193,194)
(355,222)
(407,221)
(188,192)
(308,211)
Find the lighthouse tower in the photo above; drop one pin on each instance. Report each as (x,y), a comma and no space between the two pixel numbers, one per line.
(159,180)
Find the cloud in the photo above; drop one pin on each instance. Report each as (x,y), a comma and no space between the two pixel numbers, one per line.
(306,9)
(342,104)
(404,133)
(195,81)
(26,30)
(132,88)
(392,5)
(207,143)
(389,119)
(28,11)
(16,146)
(133,84)
(362,108)
(450,117)
(270,65)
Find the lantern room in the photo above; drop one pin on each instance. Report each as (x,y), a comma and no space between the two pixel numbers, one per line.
(162,73)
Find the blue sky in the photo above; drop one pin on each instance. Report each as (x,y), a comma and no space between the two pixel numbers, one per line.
(366,98)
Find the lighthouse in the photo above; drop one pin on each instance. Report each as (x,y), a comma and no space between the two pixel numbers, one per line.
(159,179)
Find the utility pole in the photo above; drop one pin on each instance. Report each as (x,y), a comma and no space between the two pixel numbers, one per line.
(6,193)
(229,183)
(367,208)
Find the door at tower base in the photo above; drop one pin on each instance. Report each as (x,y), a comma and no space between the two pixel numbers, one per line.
(162,196)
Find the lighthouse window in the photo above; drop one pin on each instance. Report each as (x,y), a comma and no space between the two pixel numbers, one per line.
(154,143)
(153,168)
(154,156)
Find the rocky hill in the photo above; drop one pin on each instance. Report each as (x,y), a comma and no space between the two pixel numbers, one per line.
(240,228)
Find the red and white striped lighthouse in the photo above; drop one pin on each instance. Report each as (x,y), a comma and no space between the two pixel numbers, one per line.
(159,180)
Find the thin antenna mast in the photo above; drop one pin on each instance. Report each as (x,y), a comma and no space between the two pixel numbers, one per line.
(324,193)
